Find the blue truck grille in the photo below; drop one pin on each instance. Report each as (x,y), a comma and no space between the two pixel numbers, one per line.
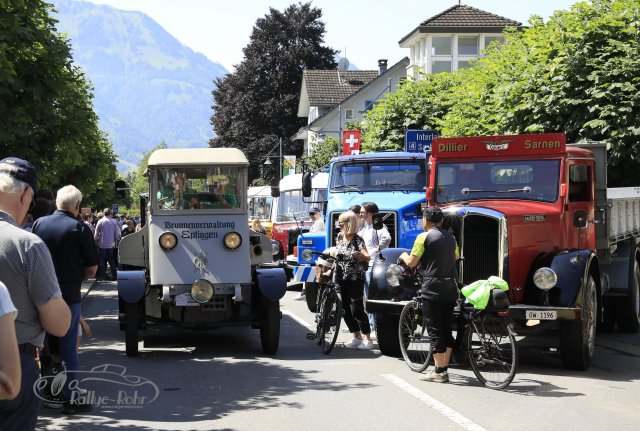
(389,218)
(480,248)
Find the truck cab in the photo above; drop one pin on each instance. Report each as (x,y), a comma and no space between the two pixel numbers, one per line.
(195,263)
(535,211)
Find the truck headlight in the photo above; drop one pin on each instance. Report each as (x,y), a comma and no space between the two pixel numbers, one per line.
(232,240)
(307,255)
(545,278)
(168,241)
(202,291)
(394,274)
(275,248)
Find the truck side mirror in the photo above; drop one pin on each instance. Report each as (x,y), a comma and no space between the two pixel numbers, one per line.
(121,189)
(377,221)
(580,219)
(306,184)
(275,188)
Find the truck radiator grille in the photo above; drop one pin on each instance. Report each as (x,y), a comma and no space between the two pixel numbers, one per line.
(390,221)
(480,248)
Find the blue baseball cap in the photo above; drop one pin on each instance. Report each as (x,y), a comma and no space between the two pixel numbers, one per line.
(314,210)
(20,170)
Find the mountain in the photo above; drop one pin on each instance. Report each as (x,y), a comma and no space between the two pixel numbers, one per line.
(148,87)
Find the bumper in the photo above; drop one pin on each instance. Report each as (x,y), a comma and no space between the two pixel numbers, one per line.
(384,307)
(519,312)
(304,274)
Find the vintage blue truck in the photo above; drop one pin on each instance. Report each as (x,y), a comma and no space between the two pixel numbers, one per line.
(395,181)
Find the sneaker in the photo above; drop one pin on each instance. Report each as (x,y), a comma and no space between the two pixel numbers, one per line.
(355,343)
(300,296)
(366,345)
(70,408)
(436,377)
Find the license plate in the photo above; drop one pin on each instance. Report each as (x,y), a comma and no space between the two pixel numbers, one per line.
(541,314)
(185,300)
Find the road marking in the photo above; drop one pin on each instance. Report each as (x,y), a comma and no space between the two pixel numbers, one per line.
(298,319)
(445,410)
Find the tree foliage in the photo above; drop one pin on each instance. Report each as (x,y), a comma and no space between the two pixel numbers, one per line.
(321,153)
(46,105)
(257,104)
(578,73)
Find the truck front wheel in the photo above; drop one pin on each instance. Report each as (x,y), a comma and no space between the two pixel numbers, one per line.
(628,308)
(577,337)
(270,326)
(131,328)
(387,332)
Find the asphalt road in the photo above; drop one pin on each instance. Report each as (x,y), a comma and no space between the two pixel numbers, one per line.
(220,380)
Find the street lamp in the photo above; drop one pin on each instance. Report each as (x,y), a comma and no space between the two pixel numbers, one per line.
(268,157)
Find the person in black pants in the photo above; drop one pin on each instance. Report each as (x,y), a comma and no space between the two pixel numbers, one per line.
(436,251)
(353,266)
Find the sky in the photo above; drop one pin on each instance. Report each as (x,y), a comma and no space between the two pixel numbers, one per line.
(362,30)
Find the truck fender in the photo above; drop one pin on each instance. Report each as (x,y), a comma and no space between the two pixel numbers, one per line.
(131,286)
(620,269)
(379,289)
(572,268)
(272,283)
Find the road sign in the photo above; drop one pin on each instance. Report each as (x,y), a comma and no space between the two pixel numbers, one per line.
(419,141)
(351,142)
(114,209)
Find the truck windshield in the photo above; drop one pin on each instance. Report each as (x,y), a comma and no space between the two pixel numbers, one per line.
(378,175)
(291,207)
(260,207)
(197,188)
(535,180)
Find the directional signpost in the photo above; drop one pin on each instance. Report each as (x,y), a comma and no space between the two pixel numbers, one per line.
(419,141)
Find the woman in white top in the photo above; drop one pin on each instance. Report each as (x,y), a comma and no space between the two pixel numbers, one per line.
(10,372)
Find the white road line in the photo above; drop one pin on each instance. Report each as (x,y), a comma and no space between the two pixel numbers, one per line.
(446,411)
(298,319)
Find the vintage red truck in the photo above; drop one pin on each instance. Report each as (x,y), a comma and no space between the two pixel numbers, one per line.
(537,212)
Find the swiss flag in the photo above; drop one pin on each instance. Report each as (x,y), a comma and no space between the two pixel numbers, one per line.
(351,142)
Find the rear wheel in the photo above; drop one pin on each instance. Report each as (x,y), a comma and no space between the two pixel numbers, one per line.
(387,332)
(578,337)
(628,308)
(131,328)
(492,352)
(331,317)
(415,343)
(270,328)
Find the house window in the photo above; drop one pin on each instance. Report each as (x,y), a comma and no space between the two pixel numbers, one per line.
(438,66)
(348,114)
(441,45)
(489,39)
(467,45)
(368,105)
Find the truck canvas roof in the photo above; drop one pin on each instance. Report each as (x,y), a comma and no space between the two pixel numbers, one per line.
(197,156)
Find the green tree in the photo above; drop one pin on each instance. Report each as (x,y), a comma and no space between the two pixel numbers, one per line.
(257,104)
(46,105)
(578,73)
(321,153)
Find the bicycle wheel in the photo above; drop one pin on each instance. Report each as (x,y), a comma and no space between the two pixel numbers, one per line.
(331,317)
(492,351)
(320,316)
(415,343)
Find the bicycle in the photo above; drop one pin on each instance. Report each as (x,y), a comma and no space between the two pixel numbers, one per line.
(488,343)
(329,307)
